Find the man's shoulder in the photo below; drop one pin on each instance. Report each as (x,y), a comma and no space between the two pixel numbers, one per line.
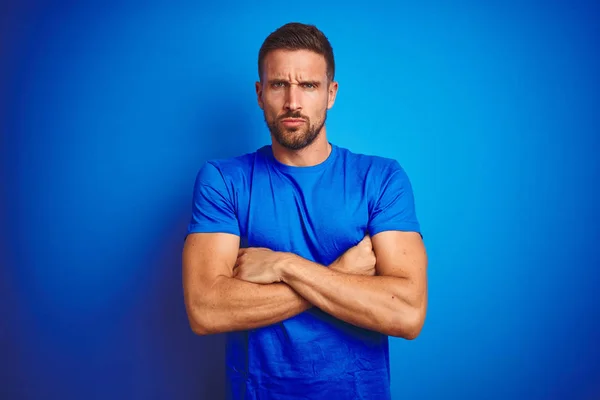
(371,163)
(228,169)
(234,164)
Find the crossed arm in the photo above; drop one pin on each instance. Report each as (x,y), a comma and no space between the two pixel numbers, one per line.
(227,289)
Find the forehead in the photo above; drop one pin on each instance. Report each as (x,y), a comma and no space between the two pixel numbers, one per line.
(294,64)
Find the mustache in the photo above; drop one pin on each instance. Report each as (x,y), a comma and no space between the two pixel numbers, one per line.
(294,115)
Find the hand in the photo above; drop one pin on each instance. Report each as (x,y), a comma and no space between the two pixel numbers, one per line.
(258,265)
(358,260)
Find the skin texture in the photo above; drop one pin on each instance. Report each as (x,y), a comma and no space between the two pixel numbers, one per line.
(216,301)
(392,302)
(379,284)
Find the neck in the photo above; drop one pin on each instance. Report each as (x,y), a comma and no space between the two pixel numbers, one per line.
(313,154)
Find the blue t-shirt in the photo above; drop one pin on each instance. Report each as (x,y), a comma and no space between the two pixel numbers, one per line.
(318,213)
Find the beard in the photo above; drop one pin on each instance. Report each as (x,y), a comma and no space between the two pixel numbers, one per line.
(296,138)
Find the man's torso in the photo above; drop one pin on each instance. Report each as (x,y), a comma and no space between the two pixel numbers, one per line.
(317,213)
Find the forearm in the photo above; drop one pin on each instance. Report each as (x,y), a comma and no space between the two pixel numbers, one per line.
(381,303)
(232,305)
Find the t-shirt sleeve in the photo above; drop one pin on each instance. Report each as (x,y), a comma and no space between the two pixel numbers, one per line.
(212,208)
(394,208)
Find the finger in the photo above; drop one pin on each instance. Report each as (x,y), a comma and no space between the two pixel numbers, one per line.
(237,263)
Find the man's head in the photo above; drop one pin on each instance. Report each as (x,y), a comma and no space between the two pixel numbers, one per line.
(296,83)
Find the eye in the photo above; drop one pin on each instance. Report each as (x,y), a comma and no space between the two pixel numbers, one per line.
(278,84)
(309,85)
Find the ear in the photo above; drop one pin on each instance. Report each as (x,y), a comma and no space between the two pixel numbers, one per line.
(259,93)
(332,93)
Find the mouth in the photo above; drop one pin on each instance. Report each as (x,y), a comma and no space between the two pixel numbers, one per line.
(292,122)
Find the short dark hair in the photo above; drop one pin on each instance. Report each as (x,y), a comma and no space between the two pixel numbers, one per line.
(298,36)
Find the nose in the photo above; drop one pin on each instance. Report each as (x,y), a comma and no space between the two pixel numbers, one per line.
(292,102)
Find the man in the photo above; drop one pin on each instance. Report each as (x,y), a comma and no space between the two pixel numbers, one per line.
(308,255)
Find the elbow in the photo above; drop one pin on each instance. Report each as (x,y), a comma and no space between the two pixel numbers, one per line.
(411,332)
(205,316)
(199,328)
(200,318)
(408,325)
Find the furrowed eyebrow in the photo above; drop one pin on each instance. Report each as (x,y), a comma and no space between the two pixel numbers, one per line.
(286,82)
(272,81)
(314,83)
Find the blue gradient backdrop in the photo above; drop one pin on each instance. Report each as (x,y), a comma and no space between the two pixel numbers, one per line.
(108,111)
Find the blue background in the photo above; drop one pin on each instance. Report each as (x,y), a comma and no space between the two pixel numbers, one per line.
(108,111)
